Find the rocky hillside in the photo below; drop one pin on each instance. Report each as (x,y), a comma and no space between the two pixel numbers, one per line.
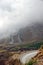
(27,34)
(37,59)
(32,33)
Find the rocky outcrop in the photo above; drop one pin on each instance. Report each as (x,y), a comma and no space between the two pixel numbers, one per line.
(39,57)
(7,59)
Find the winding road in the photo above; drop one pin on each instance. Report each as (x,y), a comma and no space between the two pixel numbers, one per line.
(27,56)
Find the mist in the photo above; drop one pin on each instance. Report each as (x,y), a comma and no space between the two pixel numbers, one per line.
(16,14)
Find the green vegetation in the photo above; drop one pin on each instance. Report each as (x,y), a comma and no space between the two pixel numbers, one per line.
(27,46)
(31,62)
(33,45)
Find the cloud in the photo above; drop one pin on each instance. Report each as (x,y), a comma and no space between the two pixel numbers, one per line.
(15,14)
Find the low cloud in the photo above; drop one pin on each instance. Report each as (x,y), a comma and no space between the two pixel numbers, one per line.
(15,14)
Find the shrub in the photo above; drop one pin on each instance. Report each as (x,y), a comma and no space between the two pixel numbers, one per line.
(31,62)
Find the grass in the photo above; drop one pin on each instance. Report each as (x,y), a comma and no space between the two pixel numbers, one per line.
(2,51)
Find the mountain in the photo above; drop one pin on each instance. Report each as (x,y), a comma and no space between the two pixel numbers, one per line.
(27,34)
(32,33)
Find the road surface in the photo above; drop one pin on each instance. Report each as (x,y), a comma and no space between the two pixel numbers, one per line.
(27,56)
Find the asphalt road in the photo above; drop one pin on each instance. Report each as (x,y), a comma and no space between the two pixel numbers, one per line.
(27,56)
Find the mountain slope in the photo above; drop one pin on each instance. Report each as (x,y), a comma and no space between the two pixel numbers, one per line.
(34,32)
(27,34)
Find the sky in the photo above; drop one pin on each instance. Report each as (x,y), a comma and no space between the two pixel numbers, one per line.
(16,14)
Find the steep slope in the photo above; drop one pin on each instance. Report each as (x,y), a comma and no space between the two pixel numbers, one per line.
(34,32)
(27,34)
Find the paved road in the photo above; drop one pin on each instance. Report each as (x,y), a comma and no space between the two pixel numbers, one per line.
(27,56)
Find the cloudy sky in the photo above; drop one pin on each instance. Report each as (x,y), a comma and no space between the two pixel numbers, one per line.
(15,14)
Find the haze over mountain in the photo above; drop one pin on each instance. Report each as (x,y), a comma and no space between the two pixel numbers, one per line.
(33,33)
(17,14)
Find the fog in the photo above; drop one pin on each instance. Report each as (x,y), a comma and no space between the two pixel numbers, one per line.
(16,14)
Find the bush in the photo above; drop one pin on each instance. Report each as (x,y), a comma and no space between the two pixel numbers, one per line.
(31,62)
